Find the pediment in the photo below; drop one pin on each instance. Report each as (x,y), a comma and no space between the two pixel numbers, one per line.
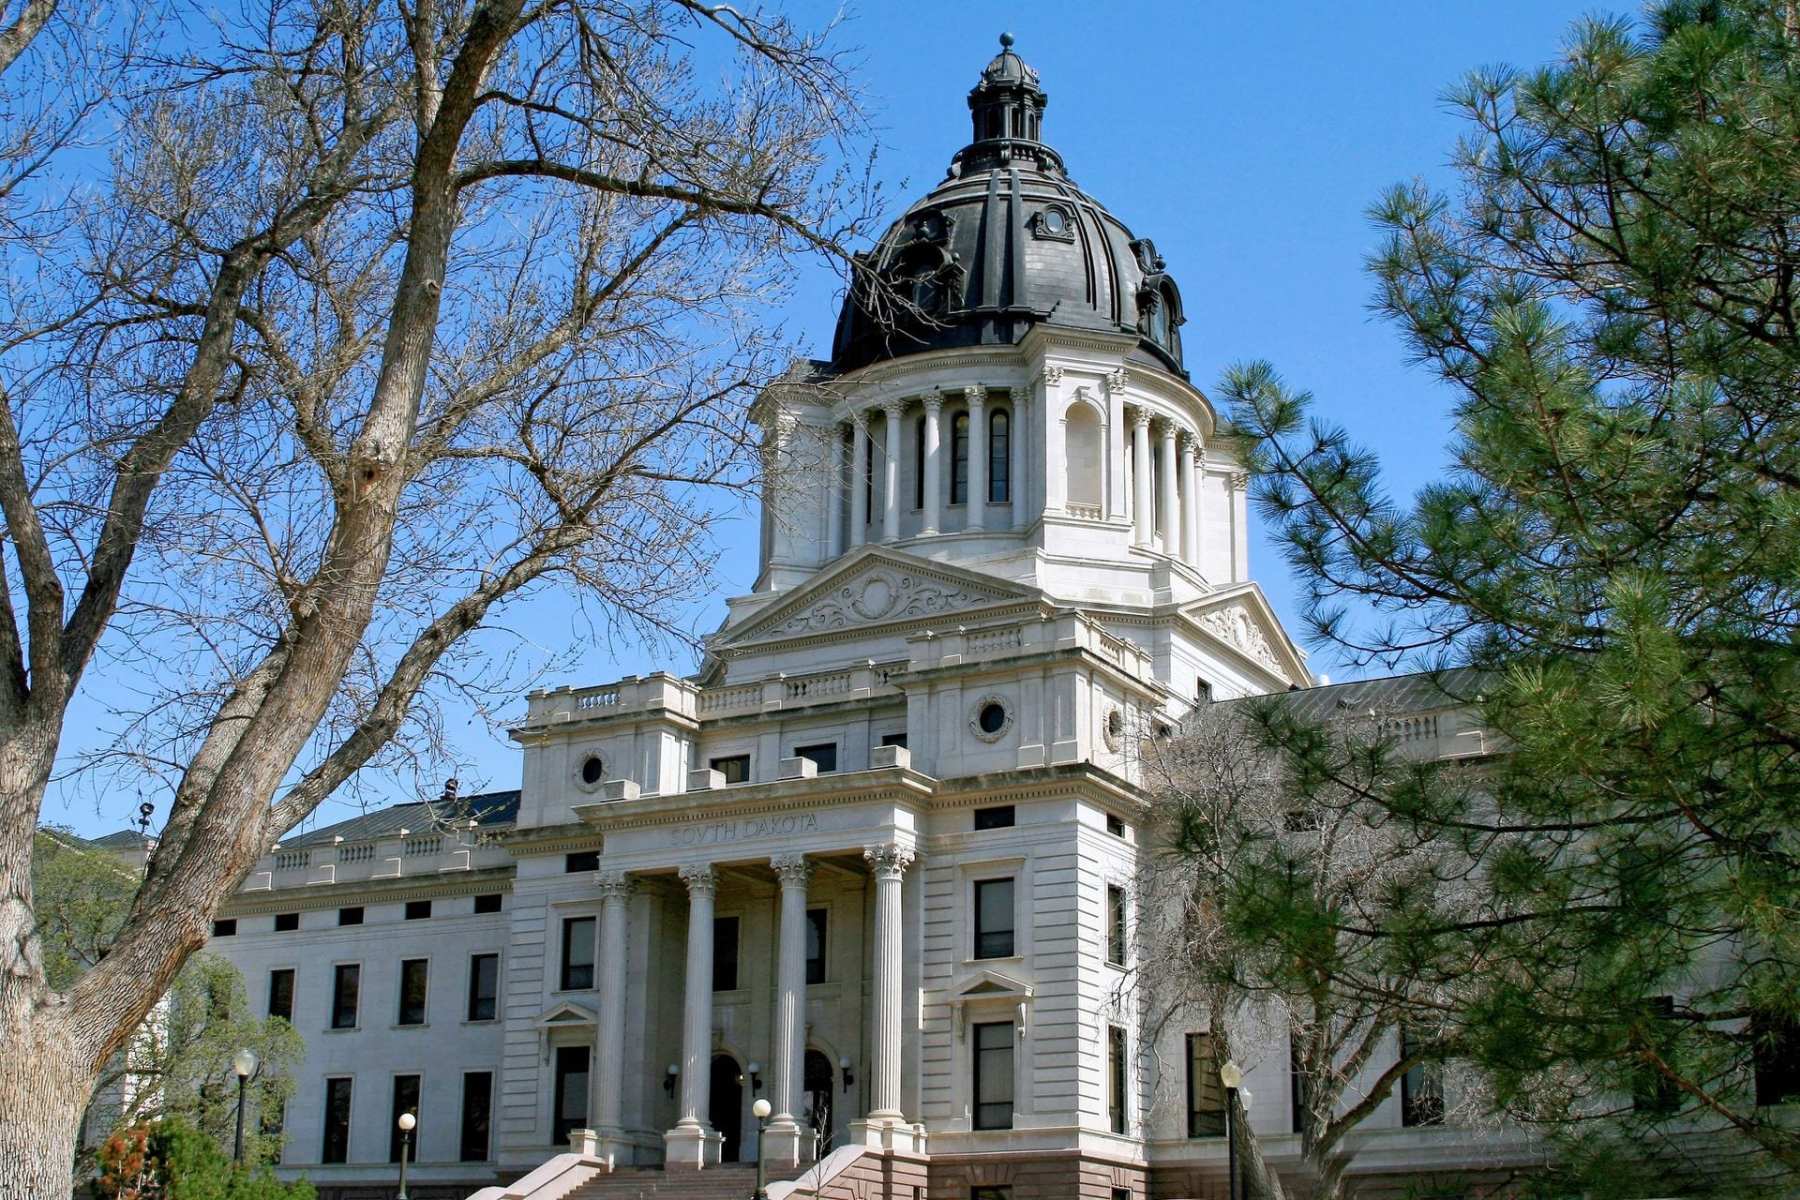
(1241,620)
(992,985)
(875,586)
(563,1014)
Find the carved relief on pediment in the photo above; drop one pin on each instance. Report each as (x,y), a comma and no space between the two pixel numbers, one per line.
(880,595)
(1234,625)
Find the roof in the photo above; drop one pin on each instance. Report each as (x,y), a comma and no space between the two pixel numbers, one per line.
(124,839)
(1418,692)
(489,809)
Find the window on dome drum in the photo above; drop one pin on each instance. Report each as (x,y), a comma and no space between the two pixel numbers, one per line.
(581,860)
(1115,1078)
(346,986)
(1159,319)
(734,767)
(894,739)
(725,954)
(1775,1057)
(337,1122)
(487,902)
(994,918)
(1653,1092)
(413,975)
(477,1115)
(406,1100)
(1115,925)
(1205,1093)
(1083,462)
(225,927)
(570,1097)
(997,816)
(817,922)
(1421,1089)
(418,910)
(919,463)
(959,458)
(999,456)
(350,915)
(577,954)
(484,986)
(992,1052)
(287,922)
(281,993)
(823,756)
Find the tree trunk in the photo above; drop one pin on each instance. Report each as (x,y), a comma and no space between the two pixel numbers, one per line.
(44,1085)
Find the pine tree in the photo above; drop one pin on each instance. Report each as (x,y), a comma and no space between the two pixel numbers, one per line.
(1610,299)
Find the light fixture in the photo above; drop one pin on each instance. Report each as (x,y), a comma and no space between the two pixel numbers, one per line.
(669,1080)
(406,1122)
(755,1070)
(1230,1075)
(762,1109)
(844,1066)
(243,1063)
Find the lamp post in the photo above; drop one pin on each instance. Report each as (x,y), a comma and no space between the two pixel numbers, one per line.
(406,1123)
(1230,1076)
(243,1065)
(761,1109)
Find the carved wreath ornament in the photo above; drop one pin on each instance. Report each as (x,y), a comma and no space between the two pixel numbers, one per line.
(879,596)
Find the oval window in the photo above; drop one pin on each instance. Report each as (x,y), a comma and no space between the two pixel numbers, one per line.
(1054,221)
(593,770)
(992,718)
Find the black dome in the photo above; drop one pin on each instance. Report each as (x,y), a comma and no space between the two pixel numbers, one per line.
(1005,242)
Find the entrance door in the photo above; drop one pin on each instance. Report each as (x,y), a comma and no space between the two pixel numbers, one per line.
(725,1104)
(570,1109)
(817,1085)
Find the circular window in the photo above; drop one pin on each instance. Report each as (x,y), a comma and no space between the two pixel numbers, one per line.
(593,770)
(1054,221)
(1114,729)
(990,718)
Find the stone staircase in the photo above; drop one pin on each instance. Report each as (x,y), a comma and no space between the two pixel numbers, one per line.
(729,1182)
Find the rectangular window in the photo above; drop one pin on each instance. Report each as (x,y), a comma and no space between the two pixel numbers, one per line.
(959,458)
(581,860)
(919,463)
(823,755)
(1115,826)
(993,1054)
(287,922)
(406,1100)
(577,954)
(816,922)
(281,993)
(1115,925)
(418,910)
(352,915)
(477,1115)
(272,1119)
(1654,1093)
(894,739)
(225,927)
(725,954)
(1299,1100)
(1205,1093)
(990,1193)
(337,1122)
(734,767)
(413,976)
(1115,1078)
(571,1094)
(346,983)
(1775,1057)
(487,902)
(994,918)
(484,987)
(999,456)
(999,816)
(1121,1194)
(1421,1089)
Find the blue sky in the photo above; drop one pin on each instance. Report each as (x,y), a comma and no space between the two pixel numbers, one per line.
(1247,140)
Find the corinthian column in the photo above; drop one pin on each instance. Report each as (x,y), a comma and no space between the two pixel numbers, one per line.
(928,470)
(886,1125)
(1190,501)
(890,475)
(1171,509)
(607,1101)
(859,479)
(692,1143)
(1144,520)
(781,1137)
(978,456)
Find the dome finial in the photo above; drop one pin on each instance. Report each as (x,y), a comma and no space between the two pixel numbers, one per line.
(1006,41)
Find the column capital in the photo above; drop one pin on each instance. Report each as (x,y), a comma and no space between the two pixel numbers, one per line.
(859,420)
(975,394)
(1190,442)
(1116,380)
(933,402)
(792,869)
(700,878)
(1240,481)
(889,860)
(1140,418)
(614,885)
(893,406)
(1170,430)
(1052,374)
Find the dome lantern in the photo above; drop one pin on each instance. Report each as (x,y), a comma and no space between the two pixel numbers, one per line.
(1006,110)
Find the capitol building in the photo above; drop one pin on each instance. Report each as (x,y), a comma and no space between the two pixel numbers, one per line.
(874,860)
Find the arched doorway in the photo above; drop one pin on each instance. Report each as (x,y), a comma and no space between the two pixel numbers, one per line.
(816,1084)
(725,1104)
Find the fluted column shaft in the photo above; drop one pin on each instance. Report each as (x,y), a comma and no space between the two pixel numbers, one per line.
(834,494)
(1190,501)
(978,456)
(890,500)
(696,1033)
(889,862)
(859,479)
(930,468)
(1171,506)
(790,997)
(609,1037)
(1144,520)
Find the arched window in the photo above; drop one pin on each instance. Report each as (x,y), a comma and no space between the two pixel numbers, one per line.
(959,458)
(999,456)
(1159,319)
(919,463)
(1082,456)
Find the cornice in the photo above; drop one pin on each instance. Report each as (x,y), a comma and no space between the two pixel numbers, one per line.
(368,891)
(1082,780)
(1000,608)
(900,785)
(549,839)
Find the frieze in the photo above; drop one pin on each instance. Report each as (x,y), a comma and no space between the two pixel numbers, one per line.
(879,595)
(742,829)
(1234,626)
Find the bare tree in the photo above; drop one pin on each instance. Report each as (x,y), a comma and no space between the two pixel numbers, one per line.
(1256,876)
(384,317)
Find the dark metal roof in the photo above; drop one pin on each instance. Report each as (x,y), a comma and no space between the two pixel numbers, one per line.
(489,809)
(121,840)
(1007,241)
(1390,693)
